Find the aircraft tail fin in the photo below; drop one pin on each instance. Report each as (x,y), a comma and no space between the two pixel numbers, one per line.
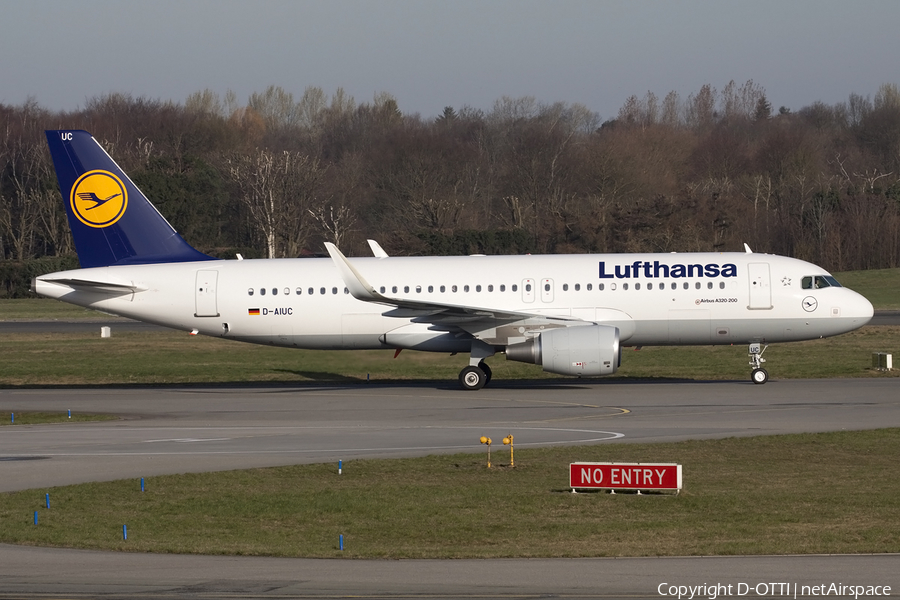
(112,222)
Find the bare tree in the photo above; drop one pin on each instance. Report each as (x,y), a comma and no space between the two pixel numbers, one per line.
(279,190)
(336,224)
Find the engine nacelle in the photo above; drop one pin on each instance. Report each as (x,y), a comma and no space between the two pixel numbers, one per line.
(585,351)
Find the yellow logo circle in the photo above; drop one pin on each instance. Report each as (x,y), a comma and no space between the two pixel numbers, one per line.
(99,199)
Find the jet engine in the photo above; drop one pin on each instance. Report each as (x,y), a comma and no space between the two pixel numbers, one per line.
(585,350)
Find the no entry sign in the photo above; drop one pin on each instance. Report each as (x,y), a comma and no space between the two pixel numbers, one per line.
(625,476)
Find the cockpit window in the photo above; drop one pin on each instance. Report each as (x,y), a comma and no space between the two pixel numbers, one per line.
(818,282)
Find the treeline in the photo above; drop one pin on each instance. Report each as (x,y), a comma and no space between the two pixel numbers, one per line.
(278,175)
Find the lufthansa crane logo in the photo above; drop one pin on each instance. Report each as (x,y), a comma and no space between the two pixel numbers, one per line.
(99,199)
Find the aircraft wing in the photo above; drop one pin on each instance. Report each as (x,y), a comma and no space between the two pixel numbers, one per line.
(472,319)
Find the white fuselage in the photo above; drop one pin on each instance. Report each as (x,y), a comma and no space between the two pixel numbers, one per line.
(654,299)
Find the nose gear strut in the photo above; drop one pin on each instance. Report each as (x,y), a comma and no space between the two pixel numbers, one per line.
(758,375)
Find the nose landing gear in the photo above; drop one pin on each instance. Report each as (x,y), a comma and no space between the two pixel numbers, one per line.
(758,375)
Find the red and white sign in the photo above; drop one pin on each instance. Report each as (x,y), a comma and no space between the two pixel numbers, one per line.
(625,476)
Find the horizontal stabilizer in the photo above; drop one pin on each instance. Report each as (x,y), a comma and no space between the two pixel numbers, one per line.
(93,284)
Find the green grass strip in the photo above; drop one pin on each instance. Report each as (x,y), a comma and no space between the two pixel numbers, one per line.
(41,418)
(167,357)
(792,494)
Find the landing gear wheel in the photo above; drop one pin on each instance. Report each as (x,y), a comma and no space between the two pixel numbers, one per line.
(487,372)
(472,378)
(759,376)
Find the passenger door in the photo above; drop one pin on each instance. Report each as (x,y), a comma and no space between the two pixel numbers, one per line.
(760,288)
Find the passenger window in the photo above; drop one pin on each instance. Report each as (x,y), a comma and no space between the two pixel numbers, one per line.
(465,288)
(334,290)
(686,285)
(503,287)
(709,285)
(418,289)
(649,286)
(394,289)
(721,285)
(491,287)
(346,291)
(262,291)
(382,289)
(299,291)
(477,288)
(287,291)
(624,286)
(577,287)
(311,291)
(250,292)
(515,287)
(674,286)
(637,286)
(443,289)
(697,285)
(600,286)
(274,291)
(322,291)
(430,289)
(806,283)
(589,287)
(527,287)
(453,288)
(405,289)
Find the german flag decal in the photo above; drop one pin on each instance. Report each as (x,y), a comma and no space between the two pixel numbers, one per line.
(252,311)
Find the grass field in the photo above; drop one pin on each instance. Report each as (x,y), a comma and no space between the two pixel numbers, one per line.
(45,309)
(173,357)
(40,418)
(880,286)
(830,493)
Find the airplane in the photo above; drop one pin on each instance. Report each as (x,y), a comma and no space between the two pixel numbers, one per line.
(570,314)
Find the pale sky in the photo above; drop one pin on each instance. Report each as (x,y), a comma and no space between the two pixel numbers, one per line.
(431,54)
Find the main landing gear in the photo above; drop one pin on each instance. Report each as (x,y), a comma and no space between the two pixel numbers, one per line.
(478,373)
(475,378)
(758,375)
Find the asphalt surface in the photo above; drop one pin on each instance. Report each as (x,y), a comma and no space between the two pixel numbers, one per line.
(181,429)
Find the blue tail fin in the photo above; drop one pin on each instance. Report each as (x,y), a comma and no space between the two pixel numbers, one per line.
(112,222)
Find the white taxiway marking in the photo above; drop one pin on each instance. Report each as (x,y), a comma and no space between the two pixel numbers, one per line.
(188,440)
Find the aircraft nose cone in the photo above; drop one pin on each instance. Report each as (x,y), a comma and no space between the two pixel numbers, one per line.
(861,308)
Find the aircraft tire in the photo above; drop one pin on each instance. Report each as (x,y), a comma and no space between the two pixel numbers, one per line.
(759,376)
(472,378)
(487,372)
